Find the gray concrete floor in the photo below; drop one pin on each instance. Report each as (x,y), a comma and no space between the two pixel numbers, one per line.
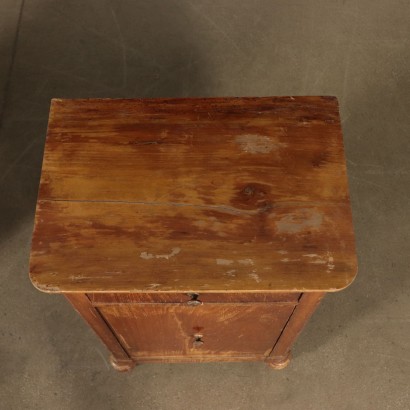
(354,354)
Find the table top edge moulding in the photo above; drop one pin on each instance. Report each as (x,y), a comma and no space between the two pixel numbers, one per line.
(193,195)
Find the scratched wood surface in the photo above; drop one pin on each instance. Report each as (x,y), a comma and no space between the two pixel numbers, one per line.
(222,195)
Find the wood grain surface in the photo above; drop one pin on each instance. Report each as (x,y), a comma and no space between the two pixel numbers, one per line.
(102,299)
(208,330)
(210,195)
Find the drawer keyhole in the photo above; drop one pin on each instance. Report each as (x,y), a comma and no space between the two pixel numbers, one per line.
(198,342)
(194,299)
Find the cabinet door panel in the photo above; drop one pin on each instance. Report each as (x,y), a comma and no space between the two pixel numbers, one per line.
(222,329)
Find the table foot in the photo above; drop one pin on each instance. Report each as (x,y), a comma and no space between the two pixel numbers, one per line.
(122,365)
(278,363)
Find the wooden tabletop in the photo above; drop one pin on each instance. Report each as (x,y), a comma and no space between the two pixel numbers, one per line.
(207,195)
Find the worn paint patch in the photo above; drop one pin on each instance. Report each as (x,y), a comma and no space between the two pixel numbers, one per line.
(152,286)
(47,287)
(327,260)
(258,144)
(200,223)
(224,261)
(255,277)
(315,258)
(211,224)
(303,220)
(231,273)
(248,262)
(330,262)
(77,277)
(146,255)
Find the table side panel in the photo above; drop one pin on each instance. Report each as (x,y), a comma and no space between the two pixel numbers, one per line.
(308,303)
(91,315)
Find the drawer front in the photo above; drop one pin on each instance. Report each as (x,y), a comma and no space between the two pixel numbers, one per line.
(156,330)
(99,299)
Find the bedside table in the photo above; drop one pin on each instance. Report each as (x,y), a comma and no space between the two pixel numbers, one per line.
(194,230)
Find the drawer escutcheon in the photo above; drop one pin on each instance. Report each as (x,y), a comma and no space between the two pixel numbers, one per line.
(194,299)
